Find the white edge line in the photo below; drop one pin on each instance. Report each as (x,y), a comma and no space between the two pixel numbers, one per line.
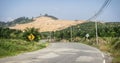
(104,61)
(103,57)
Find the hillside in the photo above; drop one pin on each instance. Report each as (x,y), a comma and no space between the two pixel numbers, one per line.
(20,20)
(44,24)
(2,24)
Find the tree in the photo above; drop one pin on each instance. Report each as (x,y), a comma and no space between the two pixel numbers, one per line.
(31,34)
(9,33)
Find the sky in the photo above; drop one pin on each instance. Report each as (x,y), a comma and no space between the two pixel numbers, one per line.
(62,9)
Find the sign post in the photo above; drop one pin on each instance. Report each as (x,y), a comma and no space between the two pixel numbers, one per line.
(87,35)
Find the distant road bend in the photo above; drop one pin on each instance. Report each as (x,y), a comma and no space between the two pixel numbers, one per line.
(59,53)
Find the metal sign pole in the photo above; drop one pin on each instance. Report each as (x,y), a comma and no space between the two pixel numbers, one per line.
(71,33)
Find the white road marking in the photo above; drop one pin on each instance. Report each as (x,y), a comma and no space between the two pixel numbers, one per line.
(103,57)
(104,61)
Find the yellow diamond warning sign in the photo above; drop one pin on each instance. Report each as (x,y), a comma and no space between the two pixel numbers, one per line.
(31,37)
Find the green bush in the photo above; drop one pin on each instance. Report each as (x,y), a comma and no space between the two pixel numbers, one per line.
(9,33)
(31,31)
(9,47)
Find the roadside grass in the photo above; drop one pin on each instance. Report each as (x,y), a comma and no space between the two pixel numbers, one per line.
(116,56)
(11,47)
(106,44)
(113,46)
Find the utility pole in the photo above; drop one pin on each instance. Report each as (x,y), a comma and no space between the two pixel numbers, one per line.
(50,36)
(71,33)
(96,32)
(54,35)
(105,5)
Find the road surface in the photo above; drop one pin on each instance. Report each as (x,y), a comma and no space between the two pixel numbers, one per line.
(59,53)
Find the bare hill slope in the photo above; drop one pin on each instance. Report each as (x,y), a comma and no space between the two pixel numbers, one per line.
(47,24)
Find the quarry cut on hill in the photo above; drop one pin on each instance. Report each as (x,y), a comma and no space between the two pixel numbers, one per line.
(45,24)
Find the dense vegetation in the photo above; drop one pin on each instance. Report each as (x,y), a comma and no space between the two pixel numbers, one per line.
(53,17)
(104,30)
(2,24)
(33,33)
(17,34)
(10,33)
(14,41)
(20,20)
(10,47)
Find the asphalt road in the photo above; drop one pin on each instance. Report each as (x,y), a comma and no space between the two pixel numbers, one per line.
(59,53)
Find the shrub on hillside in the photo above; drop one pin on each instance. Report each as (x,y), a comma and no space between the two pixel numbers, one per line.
(10,33)
(31,34)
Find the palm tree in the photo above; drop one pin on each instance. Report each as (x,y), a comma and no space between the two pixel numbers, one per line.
(30,33)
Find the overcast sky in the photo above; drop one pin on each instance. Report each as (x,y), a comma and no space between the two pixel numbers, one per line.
(63,9)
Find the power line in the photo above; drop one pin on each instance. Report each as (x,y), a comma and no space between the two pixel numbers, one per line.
(105,5)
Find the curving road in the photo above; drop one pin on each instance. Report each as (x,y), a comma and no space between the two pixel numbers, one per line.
(59,53)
